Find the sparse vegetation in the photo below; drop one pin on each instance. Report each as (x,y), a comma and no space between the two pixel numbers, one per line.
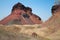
(4,35)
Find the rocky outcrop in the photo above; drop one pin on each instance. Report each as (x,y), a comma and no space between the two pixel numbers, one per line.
(55,9)
(21,14)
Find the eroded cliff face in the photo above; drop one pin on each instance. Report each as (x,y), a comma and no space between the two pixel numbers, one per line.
(21,15)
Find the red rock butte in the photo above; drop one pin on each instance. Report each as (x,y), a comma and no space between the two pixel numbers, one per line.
(21,15)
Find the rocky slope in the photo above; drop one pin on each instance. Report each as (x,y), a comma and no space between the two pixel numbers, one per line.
(50,30)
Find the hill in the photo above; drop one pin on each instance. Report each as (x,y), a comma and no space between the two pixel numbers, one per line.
(49,30)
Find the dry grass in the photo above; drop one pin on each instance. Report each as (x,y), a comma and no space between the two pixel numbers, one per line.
(8,35)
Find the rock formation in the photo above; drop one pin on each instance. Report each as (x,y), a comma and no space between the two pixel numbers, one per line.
(55,9)
(21,14)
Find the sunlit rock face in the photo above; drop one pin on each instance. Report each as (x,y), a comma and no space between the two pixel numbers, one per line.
(55,8)
(21,14)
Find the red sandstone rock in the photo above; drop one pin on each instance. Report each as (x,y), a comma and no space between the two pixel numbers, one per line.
(21,15)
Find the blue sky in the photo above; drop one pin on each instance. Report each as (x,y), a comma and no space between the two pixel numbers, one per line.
(42,8)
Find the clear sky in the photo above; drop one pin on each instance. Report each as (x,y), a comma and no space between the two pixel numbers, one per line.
(42,8)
